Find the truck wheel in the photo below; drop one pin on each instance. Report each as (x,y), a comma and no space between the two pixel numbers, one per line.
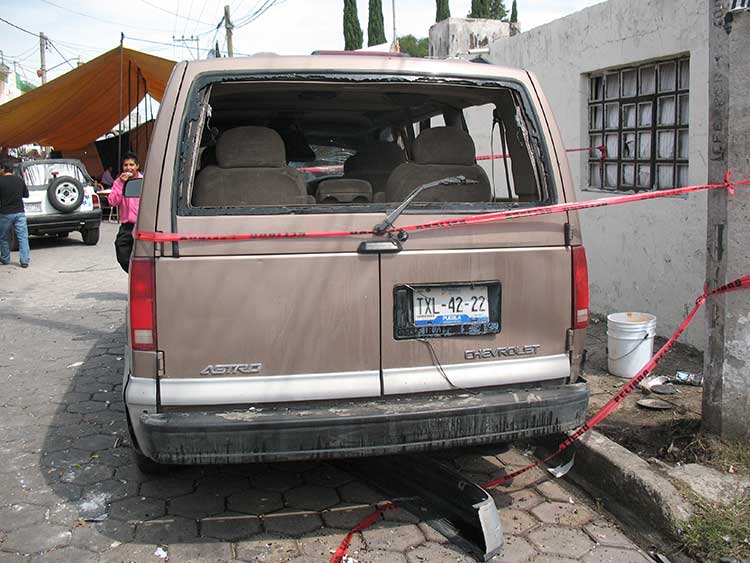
(65,194)
(90,236)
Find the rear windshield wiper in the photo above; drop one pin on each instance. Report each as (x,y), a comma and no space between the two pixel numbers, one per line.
(381,228)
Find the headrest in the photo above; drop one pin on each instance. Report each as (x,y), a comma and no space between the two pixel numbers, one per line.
(344,189)
(374,156)
(444,145)
(250,147)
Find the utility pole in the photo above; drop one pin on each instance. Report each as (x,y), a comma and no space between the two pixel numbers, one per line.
(228,28)
(184,39)
(42,57)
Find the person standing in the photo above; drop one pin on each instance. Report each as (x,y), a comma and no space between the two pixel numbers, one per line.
(107,179)
(128,209)
(12,214)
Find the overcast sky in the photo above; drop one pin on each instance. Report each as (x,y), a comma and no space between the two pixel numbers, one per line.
(87,28)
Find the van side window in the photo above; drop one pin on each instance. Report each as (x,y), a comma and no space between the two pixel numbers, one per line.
(330,147)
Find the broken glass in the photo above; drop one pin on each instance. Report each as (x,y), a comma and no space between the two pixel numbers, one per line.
(628,145)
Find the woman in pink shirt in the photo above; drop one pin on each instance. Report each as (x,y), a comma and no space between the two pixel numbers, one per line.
(128,209)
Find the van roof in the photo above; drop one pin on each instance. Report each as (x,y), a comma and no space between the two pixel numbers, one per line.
(357,63)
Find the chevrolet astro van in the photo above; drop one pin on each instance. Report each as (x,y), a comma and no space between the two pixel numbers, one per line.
(384,341)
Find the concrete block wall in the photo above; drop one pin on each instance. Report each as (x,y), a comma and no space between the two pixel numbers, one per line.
(648,256)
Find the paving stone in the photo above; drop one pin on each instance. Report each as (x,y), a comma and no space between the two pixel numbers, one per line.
(99,537)
(20,515)
(563,513)
(380,556)
(276,481)
(87,474)
(207,551)
(524,480)
(544,558)
(437,553)
(86,407)
(166,530)
(267,549)
(64,555)
(95,442)
(65,458)
(12,558)
(431,534)
(223,485)
(560,541)
(515,550)
(326,475)
(346,515)
(130,553)
(356,491)
(37,538)
(606,534)
(255,501)
(480,465)
(514,458)
(516,522)
(230,526)
(196,505)
(292,522)
(137,509)
(116,457)
(320,544)
(604,554)
(553,491)
(390,536)
(166,487)
(311,497)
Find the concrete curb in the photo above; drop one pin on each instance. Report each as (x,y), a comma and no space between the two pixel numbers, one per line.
(629,486)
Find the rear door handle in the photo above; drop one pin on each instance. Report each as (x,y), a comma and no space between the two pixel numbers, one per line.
(385,246)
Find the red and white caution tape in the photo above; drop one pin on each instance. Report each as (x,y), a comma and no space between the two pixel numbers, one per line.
(363,525)
(728,185)
(619,397)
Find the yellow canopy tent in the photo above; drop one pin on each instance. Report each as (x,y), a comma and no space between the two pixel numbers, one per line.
(75,109)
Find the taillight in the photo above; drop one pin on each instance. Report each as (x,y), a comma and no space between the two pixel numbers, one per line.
(142,304)
(95,200)
(580,288)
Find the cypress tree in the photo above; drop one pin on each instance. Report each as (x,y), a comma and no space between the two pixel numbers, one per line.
(443,10)
(375,28)
(514,13)
(479,9)
(497,10)
(352,31)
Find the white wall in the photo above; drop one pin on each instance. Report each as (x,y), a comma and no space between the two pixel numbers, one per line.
(455,36)
(647,256)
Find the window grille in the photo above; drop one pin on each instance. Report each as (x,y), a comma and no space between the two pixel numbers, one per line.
(641,115)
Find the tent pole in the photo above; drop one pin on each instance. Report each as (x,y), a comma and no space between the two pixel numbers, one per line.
(119,123)
(130,140)
(138,103)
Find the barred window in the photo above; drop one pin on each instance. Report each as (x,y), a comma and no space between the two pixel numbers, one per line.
(640,114)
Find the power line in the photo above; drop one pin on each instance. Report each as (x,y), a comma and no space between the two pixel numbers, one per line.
(17,27)
(117,23)
(171,44)
(59,53)
(175,14)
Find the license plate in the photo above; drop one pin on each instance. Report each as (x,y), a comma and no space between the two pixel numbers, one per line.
(33,206)
(450,305)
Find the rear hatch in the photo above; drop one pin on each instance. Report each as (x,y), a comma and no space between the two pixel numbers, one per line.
(289,318)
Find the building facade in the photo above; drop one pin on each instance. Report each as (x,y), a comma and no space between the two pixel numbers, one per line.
(632,76)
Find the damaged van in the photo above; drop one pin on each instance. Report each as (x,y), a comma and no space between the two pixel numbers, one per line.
(339,332)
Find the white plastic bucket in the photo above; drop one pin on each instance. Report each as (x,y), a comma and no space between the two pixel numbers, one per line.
(630,342)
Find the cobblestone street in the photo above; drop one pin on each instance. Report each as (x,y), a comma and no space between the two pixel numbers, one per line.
(70,493)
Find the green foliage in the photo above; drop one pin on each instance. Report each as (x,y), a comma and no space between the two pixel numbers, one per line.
(497,10)
(488,9)
(514,13)
(375,28)
(414,47)
(352,31)
(443,10)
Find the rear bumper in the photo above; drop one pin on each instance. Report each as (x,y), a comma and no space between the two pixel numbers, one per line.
(359,427)
(51,223)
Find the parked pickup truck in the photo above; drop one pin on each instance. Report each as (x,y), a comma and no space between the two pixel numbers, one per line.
(288,348)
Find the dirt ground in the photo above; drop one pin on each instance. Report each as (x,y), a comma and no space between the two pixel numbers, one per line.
(649,433)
